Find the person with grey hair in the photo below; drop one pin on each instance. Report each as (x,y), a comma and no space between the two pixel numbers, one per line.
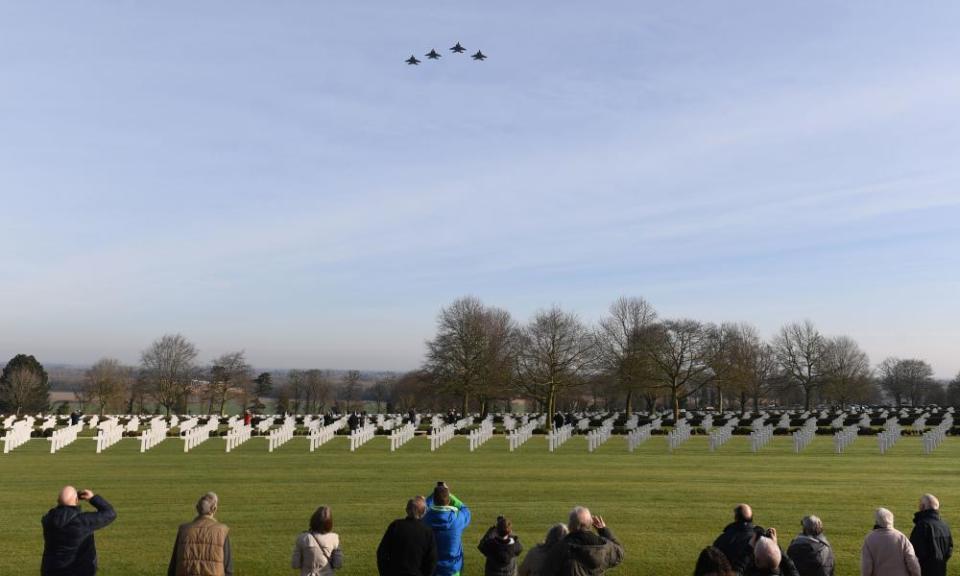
(584,552)
(202,547)
(886,551)
(766,557)
(931,537)
(810,551)
(535,559)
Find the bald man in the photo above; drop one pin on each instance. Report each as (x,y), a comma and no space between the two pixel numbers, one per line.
(68,545)
(736,540)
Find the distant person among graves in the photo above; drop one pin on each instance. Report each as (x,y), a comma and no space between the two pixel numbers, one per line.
(712,562)
(535,559)
(316,551)
(501,548)
(353,421)
(736,538)
(931,537)
(408,547)
(202,546)
(583,551)
(74,417)
(247,417)
(886,551)
(448,517)
(810,551)
(558,420)
(69,548)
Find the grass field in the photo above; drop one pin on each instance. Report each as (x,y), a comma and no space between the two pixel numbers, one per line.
(663,507)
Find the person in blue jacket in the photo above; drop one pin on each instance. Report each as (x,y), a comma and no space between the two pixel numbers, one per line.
(448,517)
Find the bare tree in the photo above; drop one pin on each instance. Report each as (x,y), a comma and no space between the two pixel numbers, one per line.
(457,355)
(800,351)
(499,354)
(680,353)
(847,370)
(106,383)
(229,375)
(317,388)
(908,379)
(24,386)
(381,389)
(623,339)
(350,388)
(555,353)
(168,367)
(891,380)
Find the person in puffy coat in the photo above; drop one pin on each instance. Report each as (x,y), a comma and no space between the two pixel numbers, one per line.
(501,547)
(736,540)
(810,551)
(886,551)
(68,545)
(448,517)
(313,550)
(931,538)
(584,552)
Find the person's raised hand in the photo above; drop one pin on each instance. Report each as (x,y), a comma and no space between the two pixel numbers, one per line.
(773,533)
(598,522)
(85,494)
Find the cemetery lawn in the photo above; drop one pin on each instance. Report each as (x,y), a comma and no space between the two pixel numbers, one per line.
(663,507)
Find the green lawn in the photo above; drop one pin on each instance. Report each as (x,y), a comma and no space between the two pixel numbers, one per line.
(663,507)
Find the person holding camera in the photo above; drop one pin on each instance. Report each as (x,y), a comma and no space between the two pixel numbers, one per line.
(68,545)
(501,549)
(584,552)
(448,517)
(767,559)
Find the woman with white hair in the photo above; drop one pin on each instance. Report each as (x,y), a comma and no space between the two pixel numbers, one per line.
(887,551)
(810,551)
(537,556)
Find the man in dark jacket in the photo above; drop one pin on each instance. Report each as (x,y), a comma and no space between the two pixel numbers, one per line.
(501,548)
(583,552)
(68,545)
(810,551)
(736,540)
(931,538)
(408,547)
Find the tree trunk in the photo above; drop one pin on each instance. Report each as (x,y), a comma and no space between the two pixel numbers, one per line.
(466,405)
(551,408)
(719,399)
(629,406)
(675,402)
(807,396)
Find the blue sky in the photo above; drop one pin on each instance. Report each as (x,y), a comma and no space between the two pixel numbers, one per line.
(271,176)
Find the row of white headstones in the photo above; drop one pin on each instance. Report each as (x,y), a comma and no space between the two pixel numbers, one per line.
(519,430)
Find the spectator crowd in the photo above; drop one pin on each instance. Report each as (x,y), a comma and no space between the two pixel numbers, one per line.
(428,541)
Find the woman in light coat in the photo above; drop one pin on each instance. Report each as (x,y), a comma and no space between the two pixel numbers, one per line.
(312,552)
(886,551)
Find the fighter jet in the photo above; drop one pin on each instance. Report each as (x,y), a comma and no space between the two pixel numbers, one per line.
(412,61)
(479,56)
(433,55)
(458,49)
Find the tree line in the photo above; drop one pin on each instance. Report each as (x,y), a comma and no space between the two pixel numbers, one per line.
(481,357)
(480,354)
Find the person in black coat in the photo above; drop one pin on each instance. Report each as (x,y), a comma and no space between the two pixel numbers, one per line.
(736,540)
(501,548)
(408,547)
(931,538)
(68,545)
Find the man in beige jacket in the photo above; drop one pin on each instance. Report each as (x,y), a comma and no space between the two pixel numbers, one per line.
(887,551)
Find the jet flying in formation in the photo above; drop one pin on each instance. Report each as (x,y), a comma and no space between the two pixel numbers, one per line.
(434,55)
